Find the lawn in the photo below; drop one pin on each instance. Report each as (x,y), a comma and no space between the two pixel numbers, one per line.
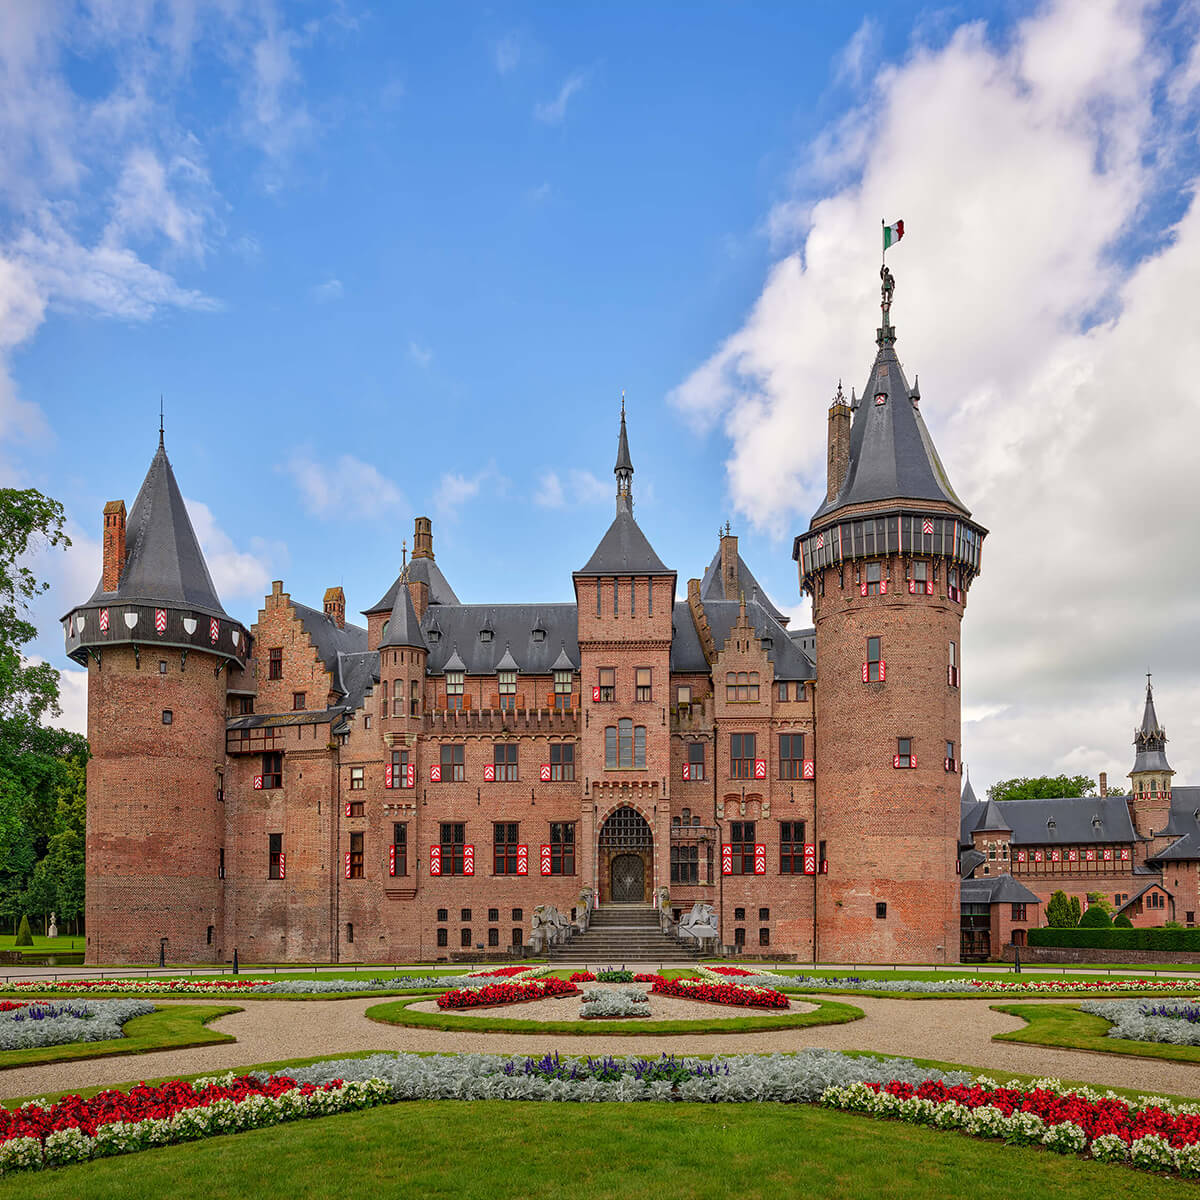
(42,944)
(172,1028)
(513,1151)
(1064,1025)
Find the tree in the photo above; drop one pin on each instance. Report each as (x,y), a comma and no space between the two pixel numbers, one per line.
(1095,918)
(1041,787)
(1060,913)
(1121,921)
(1099,900)
(24,933)
(1076,911)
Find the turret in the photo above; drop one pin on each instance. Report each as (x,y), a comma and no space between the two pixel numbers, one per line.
(1150,790)
(158,648)
(888,559)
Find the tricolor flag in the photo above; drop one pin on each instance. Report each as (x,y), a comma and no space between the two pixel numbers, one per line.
(892,234)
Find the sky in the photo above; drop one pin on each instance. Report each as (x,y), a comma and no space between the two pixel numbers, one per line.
(388,260)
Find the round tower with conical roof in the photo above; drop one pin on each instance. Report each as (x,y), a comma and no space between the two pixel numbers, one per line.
(162,656)
(888,560)
(1150,778)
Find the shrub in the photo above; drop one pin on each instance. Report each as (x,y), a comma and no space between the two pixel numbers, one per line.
(1059,912)
(24,933)
(1121,921)
(1095,918)
(1116,938)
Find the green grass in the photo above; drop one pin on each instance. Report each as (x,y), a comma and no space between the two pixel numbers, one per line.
(174,1028)
(399,1012)
(1064,1025)
(42,944)
(494,1150)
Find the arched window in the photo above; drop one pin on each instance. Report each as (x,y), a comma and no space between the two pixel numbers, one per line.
(397,692)
(625,744)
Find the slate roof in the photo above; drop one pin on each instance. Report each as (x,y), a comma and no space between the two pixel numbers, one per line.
(687,654)
(789,661)
(995,889)
(1183,823)
(419,570)
(624,462)
(355,675)
(1072,819)
(329,640)
(403,628)
(513,625)
(712,586)
(163,561)
(806,640)
(991,819)
(892,456)
(624,550)
(312,716)
(1150,739)
(969,861)
(968,792)
(1136,896)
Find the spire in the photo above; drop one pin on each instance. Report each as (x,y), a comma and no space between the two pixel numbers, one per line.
(1150,725)
(403,627)
(160,421)
(1150,739)
(885,335)
(624,468)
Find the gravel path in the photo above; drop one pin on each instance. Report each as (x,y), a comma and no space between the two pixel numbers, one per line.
(948,1030)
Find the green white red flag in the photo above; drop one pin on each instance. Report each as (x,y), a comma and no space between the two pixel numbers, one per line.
(892,234)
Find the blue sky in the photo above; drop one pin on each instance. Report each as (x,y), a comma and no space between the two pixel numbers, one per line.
(388,260)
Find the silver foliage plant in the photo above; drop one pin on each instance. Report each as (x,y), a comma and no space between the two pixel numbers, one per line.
(785,1078)
(606,1002)
(1131,1019)
(101,1022)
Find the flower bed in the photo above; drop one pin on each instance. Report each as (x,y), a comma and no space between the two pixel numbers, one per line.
(965,986)
(754,979)
(720,993)
(74,1129)
(35,1024)
(1150,1135)
(583,977)
(1176,1024)
(501,972)
(493,994)
(604,1002)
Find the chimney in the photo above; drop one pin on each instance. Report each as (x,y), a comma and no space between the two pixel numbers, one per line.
(420,596)
(1104,783)
(729,564)
(422,539)
(335,606)
(114,545)
(839,445)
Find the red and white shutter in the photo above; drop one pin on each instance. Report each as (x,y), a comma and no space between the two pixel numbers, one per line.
(387,775)
(213,630)
(410,775)
(347,808)
(927,526)
(522,860)
(810,858)
(468,860)
(347,864)
(258,782)
(596,695)
(160,620)
(545,860)
(489,772)
(435,772)
(760,768)
(1124,853)
(912,587)
(282,865)
(392,860)
(895,760)
(883,587)
(686,772)
(809,769)
(1055,856)
(1038,856)
(760,858)
(882,671)
(104,620)
(824,866)
(866,672)
(726,858)
(1108,854)
(435,860)
(912,760)
(1072,856)
(545,773)
(929,587)
(862,588)
(1022,856)
(1089,856)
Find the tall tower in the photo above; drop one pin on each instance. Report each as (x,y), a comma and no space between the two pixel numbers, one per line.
(1150,791)
(888,559)
(159,650)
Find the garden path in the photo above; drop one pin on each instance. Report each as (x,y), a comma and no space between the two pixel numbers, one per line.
(947,1030)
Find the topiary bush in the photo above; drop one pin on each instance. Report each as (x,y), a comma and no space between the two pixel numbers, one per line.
(24,933)
(1115,938)
(1095,918)
(1121,921)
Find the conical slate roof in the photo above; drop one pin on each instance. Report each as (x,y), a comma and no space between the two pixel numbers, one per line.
(624,550)
(1150,739)
(419,570)
(163,561)
(403,628)
(624,462)
(992,820)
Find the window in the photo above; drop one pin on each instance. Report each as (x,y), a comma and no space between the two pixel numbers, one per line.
(298,701)
(366,720)
(874,669)
(493,915)
(453,770)
(275,662)
(741,756)
(464,914)
(349,931)
(739,937)
(245,705)
(357,779)
(517,938)
(454,689)
(683,698)
(167,716)
(562,761)
(414,700)
(443,914)
(504,851)
(507,682)
(453,836)
(443,937)
(504,756)
(607,679)
(783,689)
(739,914)
(953,591)
(274,855)
(919,583)
(625,745)
(741,835)
(1191,918)
(357,808)
(400,847)
(695,753)
(952,669)
(398,696)
(791,756)
(272,769)
(1018,912)
(493,937)
(518,914)
(904,753)
(685,864)
(791,847)
(162,666)
(356,856)
(399,768)
(210,934)
(881,910)
(764,937)
(464,938)
(644,691)
(221,863)
(741,685)
(562,848)
(872,580)
(563,682)
(764,914)
(951,762)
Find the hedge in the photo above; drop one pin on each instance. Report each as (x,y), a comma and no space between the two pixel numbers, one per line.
(1118,939)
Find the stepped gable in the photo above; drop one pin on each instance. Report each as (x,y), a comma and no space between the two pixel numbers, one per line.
(163,565)
(532,636)
(327,638)
(403,628)
(789,661)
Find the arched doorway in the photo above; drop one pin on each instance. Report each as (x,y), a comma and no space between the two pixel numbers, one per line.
(626,857)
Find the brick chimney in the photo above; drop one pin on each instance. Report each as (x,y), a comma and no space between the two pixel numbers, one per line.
(729,564)
(1104,783)
(114,544)
(839,445)
(335,606)
(422,538)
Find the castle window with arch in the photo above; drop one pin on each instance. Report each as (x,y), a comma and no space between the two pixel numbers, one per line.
(625,745)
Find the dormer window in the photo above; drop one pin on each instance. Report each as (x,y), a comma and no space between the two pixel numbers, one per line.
(434,635)
(539,635)
(507,681)
(454,689)
(768,643)
(1050,824)
(485,635)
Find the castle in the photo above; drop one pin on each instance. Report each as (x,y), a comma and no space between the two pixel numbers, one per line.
(312,790)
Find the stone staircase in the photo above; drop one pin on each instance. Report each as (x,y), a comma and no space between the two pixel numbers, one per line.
(622,934)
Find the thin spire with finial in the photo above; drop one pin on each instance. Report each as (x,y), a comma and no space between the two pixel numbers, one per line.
(160,419)
(624,468)
(404,552)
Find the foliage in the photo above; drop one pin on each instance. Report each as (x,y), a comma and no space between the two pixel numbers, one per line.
(24,933)
(1099,900)
(1041,787)
(607,1002)
(58,1024)
(1185,940)
(1176,1022)
(1095,918)
(1060,914)
(1121,921)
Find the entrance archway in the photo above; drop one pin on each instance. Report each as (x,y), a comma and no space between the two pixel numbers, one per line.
(626,856)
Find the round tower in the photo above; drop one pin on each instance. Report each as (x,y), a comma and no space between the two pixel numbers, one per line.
(1150,779)
(158,648)
(888,560)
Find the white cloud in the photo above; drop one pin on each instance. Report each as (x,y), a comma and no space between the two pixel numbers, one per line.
(539,194)
(421,355)
(858,54)
(1056,382)
(550,491)
(327,292)
(506,54)
(554,112)
(454,490)
(164,199)
(344,486)
(579,487)
(234,572)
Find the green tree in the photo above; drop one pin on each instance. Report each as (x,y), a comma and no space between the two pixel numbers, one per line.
(1060,913)
(1121,921)
(1095,918)
(1076,911)
(1099,900)
(1041,787)
(24,933)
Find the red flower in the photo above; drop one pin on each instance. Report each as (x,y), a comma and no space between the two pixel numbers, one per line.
(506,993)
